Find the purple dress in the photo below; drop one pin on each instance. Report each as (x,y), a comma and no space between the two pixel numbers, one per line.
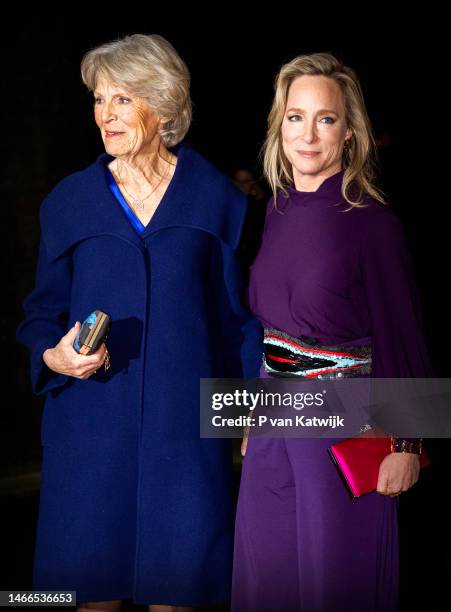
(301,543)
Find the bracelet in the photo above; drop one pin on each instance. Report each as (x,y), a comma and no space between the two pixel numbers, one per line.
(406,445)
(107,361)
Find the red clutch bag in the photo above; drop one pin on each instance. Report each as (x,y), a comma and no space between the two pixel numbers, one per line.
(358,460)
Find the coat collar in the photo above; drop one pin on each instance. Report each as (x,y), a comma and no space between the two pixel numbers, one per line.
(199,196)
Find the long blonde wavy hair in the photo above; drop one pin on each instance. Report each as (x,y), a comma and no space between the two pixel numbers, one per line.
(359,159)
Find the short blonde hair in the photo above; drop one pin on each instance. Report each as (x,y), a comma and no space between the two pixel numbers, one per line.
(148,66)
(359,158)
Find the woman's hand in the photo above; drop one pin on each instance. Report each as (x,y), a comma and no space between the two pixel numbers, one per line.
(64,359)
(397,473)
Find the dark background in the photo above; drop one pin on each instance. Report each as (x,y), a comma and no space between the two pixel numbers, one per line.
(48,131)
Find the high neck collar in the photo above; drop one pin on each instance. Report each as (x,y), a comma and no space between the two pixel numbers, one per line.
(330,187)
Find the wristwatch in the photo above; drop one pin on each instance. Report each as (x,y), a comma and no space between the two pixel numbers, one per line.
(406,445)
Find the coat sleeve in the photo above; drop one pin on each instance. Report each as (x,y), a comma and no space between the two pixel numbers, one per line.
(399,342)
(242,334)
(46,311)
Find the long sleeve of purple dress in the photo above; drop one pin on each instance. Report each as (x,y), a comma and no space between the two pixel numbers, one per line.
(394,307)
(341,276)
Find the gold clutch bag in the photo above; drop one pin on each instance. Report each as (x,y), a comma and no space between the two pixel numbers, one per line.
(93,332)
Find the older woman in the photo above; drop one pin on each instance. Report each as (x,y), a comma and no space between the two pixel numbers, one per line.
(133,503)
(333,272)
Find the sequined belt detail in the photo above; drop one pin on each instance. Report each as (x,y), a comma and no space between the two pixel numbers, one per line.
(304,356)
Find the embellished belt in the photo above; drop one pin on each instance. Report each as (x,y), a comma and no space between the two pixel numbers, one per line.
(304,356)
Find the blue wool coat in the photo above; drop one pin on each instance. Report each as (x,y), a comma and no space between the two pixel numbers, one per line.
(134,504)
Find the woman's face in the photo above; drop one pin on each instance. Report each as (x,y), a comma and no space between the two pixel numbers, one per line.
(126,122)
(314,126)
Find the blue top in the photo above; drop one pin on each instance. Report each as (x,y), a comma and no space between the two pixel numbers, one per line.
(138,226)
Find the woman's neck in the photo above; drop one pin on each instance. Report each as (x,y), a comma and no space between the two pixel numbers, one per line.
(140,170)
(312,182)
